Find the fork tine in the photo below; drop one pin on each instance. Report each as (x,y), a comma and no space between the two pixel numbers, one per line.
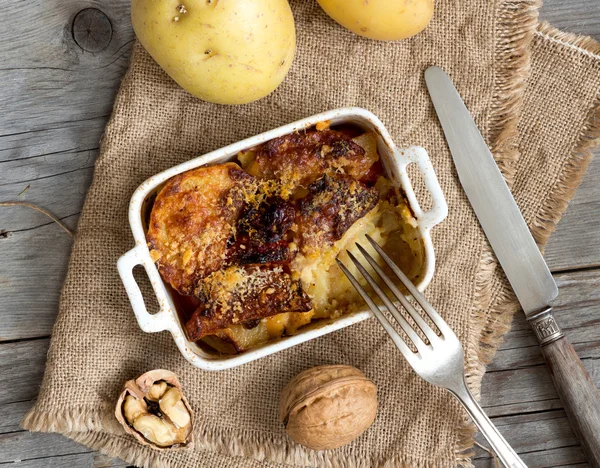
(407,327)
(408,354)
(414,313)
(427,307)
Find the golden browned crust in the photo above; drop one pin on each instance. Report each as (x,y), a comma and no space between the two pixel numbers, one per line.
(193,218)
(227,236)
(263,233)
(332,205)
(298,159)
(244,295)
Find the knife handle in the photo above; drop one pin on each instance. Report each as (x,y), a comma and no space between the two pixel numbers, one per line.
(579,395)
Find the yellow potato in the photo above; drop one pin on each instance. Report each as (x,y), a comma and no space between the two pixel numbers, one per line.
(223,51)
(386,20)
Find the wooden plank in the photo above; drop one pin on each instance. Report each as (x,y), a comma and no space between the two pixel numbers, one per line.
(543,440)
(13,414)
(28,445)
(62,195)
(531,388)
(88,460)
(59,138)
(526,356)
(31,274)
(20,447)
(575,242)
(571,246)
(57,182)
(88,97)
(580,16)
(525,390)
(535,432)
(516,386)
(30,170)
(564,457)
(21,368)
(522,407)
(44,68)
(577,310)
(104,461)
(40,36)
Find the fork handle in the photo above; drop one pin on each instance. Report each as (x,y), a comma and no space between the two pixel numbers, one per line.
(502,449)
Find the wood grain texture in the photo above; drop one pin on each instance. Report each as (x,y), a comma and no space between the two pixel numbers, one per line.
(575,242)
(563,457)
(63,137)
(23,444)
(577,16)
(577,311)
(55,107)
(87,459)
(21,368)
(525,390)
(92,30)
(27,311)
(577,237)
(47,78)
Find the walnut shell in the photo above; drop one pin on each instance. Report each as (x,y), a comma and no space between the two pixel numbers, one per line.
(145,395)
(328,406)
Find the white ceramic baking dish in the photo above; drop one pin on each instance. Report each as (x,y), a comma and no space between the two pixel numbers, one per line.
(395,162)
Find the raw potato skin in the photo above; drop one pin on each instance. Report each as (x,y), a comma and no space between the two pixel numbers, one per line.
(385,20)
(222,51)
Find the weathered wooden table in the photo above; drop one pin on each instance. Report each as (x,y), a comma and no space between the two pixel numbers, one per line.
(57,84)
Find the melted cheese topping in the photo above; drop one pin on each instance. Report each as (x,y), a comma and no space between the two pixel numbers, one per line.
(196,213)
(391,224)
(330,291)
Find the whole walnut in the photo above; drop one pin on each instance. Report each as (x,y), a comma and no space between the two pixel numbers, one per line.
(328,406)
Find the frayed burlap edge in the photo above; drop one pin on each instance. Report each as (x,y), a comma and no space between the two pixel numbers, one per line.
(589,139)
(512,62)
(90,426)
(500,317)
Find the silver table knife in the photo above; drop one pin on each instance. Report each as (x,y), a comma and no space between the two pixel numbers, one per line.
(518,255)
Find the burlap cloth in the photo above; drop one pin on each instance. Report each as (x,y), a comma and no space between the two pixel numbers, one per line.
(487,48)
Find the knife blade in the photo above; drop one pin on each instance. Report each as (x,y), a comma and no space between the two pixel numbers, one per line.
(519,256)
(491,198)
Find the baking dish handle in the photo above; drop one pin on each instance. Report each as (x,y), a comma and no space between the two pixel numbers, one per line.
(439,210)
(148,322)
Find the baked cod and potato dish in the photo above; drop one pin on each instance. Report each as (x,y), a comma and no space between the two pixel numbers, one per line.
(249,247)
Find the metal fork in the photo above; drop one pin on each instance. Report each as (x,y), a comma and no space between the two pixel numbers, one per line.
(440,361)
